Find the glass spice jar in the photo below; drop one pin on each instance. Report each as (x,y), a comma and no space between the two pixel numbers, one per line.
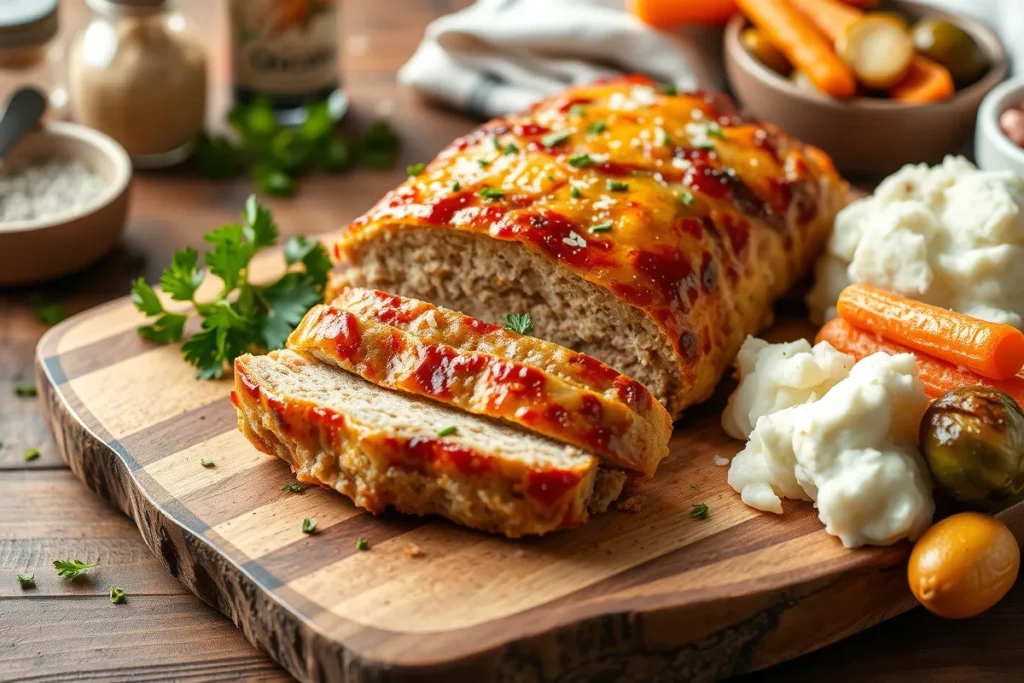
(138,74)
(30,53)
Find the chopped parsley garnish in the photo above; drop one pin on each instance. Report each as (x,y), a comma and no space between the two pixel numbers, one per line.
(491,193)
(556,138)
(72,569)
(362,543)
(511,148)
(577,110)
(30,454)
(602,227)
(664,138)
(668,89)
(686,197)
(699,511)
(714,131)
(694,487)
(496,142)
(456,187)
(580,160)
(206,462)
(617,186)
(292,488)
(308,525)
(415,169)
(117,596)
(484,163)
(25,390)
(709,146)
(597,127)
(245,317)
(447,431)
(45,312)
(574,192)
(27,580)
(521,324)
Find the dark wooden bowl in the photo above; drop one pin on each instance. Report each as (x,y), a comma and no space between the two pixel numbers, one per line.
(866,135)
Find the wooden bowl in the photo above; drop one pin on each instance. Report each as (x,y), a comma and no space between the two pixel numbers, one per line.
(45,248)
(866,135)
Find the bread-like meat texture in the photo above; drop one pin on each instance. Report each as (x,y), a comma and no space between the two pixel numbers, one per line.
(413,346)
(383,448)
(650,230)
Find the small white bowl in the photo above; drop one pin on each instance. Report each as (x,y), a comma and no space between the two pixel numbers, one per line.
(993,150)
(46,248)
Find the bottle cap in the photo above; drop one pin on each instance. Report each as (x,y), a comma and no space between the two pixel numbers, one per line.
(27,23)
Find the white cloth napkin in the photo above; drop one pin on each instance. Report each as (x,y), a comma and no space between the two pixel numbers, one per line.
(498,56)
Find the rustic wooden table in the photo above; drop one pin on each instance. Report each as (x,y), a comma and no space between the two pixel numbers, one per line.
(64,631)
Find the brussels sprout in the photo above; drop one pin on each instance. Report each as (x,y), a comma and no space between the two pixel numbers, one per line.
(952,47)
(973,440)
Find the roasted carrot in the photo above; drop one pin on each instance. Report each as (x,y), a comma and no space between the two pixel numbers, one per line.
(925,82)
(863,4)
(802,43)
(668,13)
(938,376)
(989,349)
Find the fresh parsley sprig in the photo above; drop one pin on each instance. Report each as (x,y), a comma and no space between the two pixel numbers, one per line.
(72,569)
(243,317)
(521,324)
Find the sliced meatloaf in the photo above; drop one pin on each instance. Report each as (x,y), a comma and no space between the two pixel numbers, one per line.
(383,448)
(413,346)
(647,229)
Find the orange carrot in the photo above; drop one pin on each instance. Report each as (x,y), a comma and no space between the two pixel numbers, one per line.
(989,349)
(832,17)
(863,4)
(669,13)
(927,81)
(802,43)
(938,376)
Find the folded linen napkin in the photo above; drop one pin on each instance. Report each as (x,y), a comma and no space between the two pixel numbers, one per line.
(498,56)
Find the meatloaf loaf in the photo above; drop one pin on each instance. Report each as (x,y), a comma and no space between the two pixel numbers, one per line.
(649,229)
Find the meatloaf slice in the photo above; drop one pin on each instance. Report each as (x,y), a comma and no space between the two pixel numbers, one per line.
(382,448)
(413,346)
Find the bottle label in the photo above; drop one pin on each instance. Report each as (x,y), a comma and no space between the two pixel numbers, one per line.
(286,47)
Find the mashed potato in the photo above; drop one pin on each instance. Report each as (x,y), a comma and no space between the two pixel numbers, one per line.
(951,236)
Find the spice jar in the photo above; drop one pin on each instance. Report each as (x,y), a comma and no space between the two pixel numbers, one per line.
(137,74)
(29,52)
(286,52)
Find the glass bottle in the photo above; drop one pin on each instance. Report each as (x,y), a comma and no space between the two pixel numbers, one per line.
(286,51)
(30,53)
(138,74)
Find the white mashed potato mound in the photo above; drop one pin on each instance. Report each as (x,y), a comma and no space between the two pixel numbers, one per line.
(777,376)
(853,452)
(949,235)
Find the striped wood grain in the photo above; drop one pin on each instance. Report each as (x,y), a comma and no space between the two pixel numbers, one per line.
(652,593)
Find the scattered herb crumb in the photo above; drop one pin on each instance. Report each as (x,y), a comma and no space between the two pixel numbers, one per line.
(699,511)
(511,148)
(686,197)
(206,462)
(602,227)
(415,169)
(556,138)
(715,131)
(491,193)
(496,142)
(484,163)
(456,187)
(617,186)
(292,488)
(447,431)
(362,544)
(597,127)
(117,596)
(575,192)
(668,89)
(30,454)
(72,569)
(412,550)
(27,580)
(694,487)
(521,324)
(577,110)
(26,390)
(580,160)
(308,525)
(46,312)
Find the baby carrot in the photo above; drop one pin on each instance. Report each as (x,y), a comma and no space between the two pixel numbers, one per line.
(802,43)
(990,349)
(938,376)
(926,81)
(669,13)
(832,17)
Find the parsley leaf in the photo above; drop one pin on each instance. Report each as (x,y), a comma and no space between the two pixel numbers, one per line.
(287,301)
(72,569)
(580,160)
(447,431)
(362,543)
(491,193)
(574,192)
(26,390)
(217,157)
(27,580)
(686,197)
(597,127)
(522,324)
(206,462)
(556,138)
(617,186)
(182,278)
(308,525)
(46,312)
(145,299)
(230,255)
(117,596)
(259,227)
(313,256)
(30,454)
(293,488)
(415,169)
(699,511)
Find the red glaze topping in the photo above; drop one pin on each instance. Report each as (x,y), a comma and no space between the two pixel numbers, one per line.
(550,486)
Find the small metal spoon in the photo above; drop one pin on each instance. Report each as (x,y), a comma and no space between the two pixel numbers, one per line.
(22,114)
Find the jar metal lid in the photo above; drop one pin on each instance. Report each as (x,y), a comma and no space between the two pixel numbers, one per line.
(26,23)
(131,7)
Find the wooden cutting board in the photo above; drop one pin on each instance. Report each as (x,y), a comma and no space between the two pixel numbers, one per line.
(648,595)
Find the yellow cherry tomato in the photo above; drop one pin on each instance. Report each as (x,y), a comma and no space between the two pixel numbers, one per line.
(963,565)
